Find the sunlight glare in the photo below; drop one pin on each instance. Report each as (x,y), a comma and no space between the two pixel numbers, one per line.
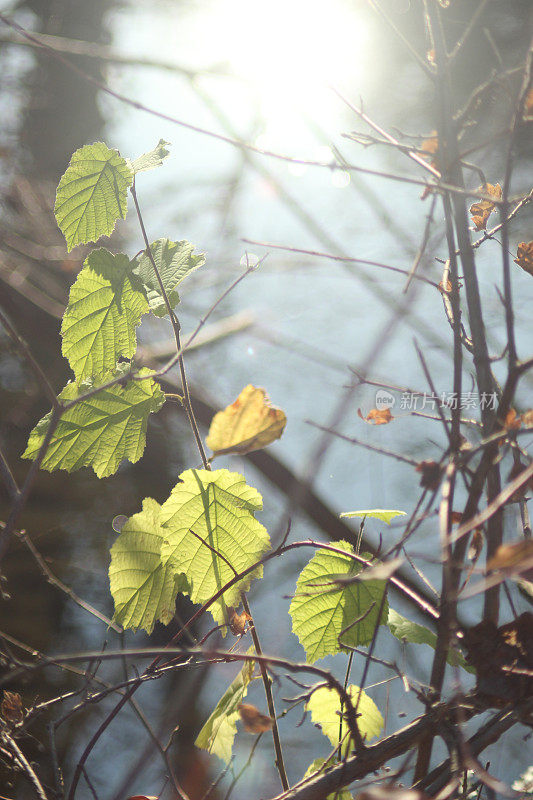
(290,53)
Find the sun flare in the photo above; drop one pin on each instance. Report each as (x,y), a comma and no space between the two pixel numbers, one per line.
(290,54)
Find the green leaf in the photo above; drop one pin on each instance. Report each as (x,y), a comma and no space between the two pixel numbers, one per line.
(325,708)
(383,514)
(174,261)
(105,306)
(316,768)
(101,431)
(412,632)
(210,524)
(143,586)
(320,610)
(219,731)
(152,159)
(92,194)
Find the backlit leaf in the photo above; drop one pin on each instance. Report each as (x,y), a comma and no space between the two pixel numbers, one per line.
(174,261)
(219,731)
(152,159)
(11,708)
(105,306)
(143,586)
(321,610)
(92,194)
(210,524)
(412,632)
(383,514)
(248,424)
(325,707)
(101,431)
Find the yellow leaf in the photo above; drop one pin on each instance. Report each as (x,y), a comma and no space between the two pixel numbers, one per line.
(250,423)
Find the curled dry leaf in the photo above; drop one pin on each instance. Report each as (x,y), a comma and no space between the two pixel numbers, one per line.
(430,146)
(250,423)
(11,707)
(512,420)
(481,211)
(376,416)
(431,473)
(237,622)
(514,558)
(524,256)
(253,720)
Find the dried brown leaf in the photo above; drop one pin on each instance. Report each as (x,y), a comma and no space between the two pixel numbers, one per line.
(237,622)
(253,720)
(11,707)
(524,256)
(376,416)
(482,210)
(527,418)
(430,146)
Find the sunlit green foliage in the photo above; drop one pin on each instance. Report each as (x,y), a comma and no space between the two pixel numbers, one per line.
(92,194)
(105,306)
(143,585)
(174,261)
(327,617)
(219,731)
(101,431)
(212,533)
(325,707)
